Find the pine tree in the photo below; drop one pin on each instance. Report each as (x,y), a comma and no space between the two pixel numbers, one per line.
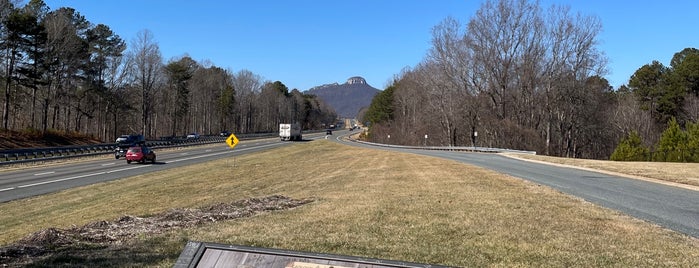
(672,146)
(693,142)
(631,148)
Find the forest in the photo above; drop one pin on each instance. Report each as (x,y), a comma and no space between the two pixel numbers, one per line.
(516,75)
(61,72)
(521,76)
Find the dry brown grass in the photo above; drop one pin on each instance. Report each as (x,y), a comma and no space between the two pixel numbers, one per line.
(370,203)
(10,139)
(682,173)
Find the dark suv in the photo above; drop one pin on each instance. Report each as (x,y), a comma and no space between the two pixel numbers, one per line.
(126,141)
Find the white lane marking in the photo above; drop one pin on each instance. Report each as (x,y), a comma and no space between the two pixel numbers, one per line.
(209,150)
(108,164)
(44,173)
(123,169)
(75,177)
(224,152)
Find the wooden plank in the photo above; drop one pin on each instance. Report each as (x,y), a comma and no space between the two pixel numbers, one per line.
(231,258)
(315,264)
(259,260)
(209,258)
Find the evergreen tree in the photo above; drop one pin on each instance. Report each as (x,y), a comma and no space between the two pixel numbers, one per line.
(631,148)
(179,73)
(693,142)
(381,107)
(672,146)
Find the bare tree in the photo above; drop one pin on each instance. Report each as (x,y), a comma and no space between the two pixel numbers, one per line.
(499,34)
(522,77)
(147,67)
(208,86)
(247,85)
(73,77)
(691,107)
(572,60)
(627,116)
(410,115)
(448,76)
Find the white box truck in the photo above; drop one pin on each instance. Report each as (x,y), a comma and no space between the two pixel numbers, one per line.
(290,132)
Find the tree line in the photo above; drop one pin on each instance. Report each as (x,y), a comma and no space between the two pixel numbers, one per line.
(62,72)
(521,76)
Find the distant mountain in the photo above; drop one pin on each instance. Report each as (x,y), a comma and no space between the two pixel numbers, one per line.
(348,98)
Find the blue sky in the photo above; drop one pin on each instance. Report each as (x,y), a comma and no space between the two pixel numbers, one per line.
(306,43)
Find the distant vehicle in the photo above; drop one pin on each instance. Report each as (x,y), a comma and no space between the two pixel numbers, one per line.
(193,136)
(130,139)
(126,141)
(122,139)
(140,154)
(224,133)
(328,132)
(290,132)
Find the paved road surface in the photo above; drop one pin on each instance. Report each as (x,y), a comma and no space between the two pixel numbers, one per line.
(668,206)
(40,180)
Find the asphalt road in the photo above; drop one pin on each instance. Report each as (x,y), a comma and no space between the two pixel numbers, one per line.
(668,206)
(33,181)
(671,207)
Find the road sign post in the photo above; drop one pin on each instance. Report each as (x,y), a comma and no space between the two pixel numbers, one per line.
(232,141)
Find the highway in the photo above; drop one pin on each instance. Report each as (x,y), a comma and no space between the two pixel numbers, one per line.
(672,207)
(33,181)
(668,206)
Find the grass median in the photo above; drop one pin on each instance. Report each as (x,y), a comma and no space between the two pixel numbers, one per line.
(368,203)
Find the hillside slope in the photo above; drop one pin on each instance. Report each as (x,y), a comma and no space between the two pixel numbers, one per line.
(348,98)
(35,139)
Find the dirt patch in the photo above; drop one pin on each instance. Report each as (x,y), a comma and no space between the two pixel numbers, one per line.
(104,234)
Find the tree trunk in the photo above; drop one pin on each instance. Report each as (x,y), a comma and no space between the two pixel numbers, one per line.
(8,88)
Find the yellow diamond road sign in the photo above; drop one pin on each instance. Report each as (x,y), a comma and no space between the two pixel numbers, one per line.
(232,140)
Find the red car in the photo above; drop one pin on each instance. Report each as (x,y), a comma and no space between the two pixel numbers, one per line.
(140,154)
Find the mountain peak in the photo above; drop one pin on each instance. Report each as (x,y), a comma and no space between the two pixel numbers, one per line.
(348,98)
(356,80)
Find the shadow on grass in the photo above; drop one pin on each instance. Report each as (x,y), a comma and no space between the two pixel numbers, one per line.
(138,253)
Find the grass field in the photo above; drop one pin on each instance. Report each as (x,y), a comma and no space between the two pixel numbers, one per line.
(368,203)
(680,174)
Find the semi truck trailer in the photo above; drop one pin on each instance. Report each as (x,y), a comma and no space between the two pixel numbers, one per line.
(290,132)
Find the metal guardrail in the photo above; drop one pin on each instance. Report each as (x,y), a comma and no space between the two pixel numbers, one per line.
(16,156)
(446,148)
